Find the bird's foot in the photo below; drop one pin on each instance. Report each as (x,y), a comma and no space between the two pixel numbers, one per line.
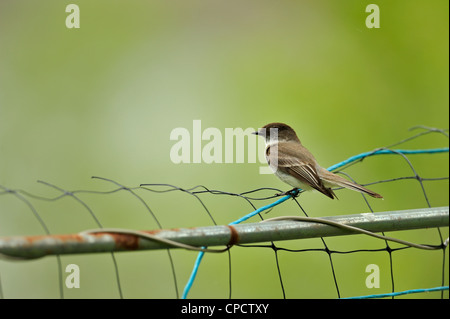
(293,193)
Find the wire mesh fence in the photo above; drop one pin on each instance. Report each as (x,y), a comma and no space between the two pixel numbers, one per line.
(263,267)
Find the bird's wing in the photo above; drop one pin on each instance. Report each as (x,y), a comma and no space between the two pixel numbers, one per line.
(297,161)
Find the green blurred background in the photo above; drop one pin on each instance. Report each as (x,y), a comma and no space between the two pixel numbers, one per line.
(102,100)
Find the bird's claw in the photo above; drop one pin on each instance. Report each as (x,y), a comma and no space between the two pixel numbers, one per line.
(293,193)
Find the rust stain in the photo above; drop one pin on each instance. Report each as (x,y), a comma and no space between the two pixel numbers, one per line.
(234,238)
(122,241)
(63,238)
(125,241)
(152,232)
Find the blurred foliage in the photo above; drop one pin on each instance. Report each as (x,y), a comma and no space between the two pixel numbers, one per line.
(102,100)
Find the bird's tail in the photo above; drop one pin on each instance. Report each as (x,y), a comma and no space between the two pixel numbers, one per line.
(333,179)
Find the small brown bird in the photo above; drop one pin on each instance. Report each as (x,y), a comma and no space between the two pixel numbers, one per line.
(296,166)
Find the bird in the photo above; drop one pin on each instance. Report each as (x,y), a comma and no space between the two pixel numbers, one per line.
(295,165)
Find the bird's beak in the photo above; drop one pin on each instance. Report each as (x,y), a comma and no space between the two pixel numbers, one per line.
(256,133)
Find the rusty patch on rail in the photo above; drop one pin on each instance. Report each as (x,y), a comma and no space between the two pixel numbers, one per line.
(157,231)
(122,241)
(234,238)
(63,238)
(125,241)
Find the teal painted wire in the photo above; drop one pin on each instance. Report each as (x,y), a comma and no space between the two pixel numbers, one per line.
(193,274)
(188,286)
(386,151)
(259,210)
(406,292)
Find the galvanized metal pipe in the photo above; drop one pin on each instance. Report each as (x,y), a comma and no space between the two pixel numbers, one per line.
(39,246)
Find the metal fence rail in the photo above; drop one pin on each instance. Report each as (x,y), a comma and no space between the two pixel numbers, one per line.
(28,247)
